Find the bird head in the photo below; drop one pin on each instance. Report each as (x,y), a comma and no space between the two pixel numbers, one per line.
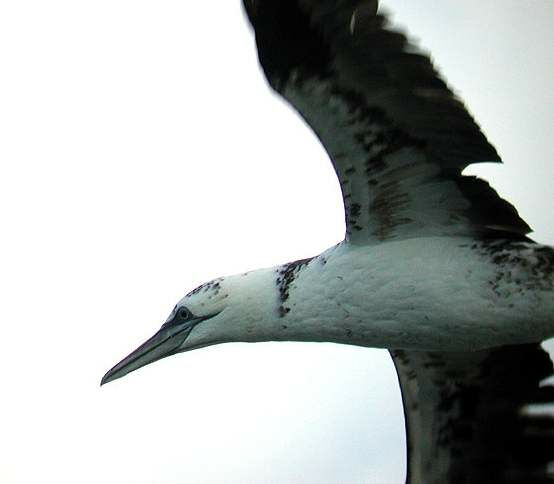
(194,322)
(222,310)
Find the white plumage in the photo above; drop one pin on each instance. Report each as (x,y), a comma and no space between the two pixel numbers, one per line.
(435,266)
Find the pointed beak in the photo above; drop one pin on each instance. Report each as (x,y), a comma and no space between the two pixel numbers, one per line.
(167,341)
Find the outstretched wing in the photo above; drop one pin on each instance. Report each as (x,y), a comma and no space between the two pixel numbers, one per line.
(478,418)
(396,134)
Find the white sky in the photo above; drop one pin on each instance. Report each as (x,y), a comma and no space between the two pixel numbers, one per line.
(141,154)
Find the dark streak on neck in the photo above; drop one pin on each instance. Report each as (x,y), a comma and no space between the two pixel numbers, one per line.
(286,274)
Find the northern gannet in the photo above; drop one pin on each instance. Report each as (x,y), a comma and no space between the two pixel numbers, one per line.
(435,266)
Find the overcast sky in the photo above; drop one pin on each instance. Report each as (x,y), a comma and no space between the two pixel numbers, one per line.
(142,154)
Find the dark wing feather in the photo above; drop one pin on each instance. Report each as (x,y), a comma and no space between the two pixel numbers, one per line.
(470,417)
(396,134)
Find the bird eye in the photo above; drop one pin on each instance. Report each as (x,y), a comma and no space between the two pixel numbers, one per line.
(184,313)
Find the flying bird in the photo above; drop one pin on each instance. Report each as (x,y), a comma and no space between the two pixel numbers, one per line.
(435,266)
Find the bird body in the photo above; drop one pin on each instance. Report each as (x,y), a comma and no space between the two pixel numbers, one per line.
(433,293)
(434,266)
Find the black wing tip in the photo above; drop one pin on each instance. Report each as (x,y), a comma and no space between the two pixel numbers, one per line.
(517,373)
(308,37)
